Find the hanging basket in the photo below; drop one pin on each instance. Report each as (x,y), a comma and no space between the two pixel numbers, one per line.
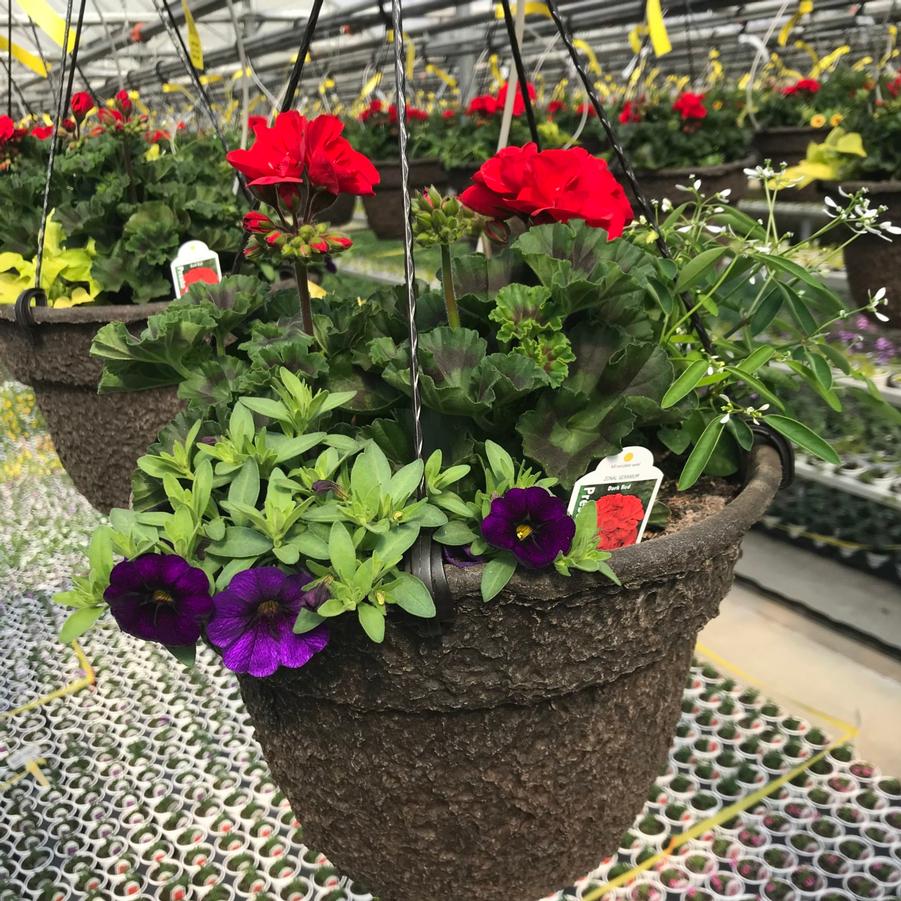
(341,211)
(784,144)
(385,208)
(662,183)
(505,758)
(98,437)
(871,262)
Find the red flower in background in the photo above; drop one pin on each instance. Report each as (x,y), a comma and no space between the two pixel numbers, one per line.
(69,125)
(629,113)
(519,104)
(483,105)
(81,104)
(154,137)
(549,186)
(554,107)
(42,132)
(295,150)
(894,86)
(374,108)
(108,119)
(803,85)
(123,102)
(586,108)
(690,106)
(7,129)
(619,517)
(448,113)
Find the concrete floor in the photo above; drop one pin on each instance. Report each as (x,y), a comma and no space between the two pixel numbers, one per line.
(798,659)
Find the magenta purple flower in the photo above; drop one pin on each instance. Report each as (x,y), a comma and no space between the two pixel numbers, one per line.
(253,621)
(531,523)
(159,597)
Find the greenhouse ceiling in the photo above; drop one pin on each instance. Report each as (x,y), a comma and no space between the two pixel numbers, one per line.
(125,44)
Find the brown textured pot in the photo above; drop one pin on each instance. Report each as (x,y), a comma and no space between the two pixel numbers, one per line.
(662,183)
(98,437)
(506,758)
(460,177)
(385,208)
(871,262)
(789,145)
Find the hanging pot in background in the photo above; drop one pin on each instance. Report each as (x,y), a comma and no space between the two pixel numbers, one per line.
(98,437)
(662,183)
(341,211)
(788,145)
(385,208)
(871,262)
(506,757)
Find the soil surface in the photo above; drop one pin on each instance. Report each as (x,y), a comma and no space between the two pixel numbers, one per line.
(708,496)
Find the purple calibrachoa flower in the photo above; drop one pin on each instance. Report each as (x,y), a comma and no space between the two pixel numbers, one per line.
(532,523)
(253,621)
(159,597)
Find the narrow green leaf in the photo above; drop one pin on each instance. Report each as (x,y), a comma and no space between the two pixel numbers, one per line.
(454,533)
(373,622)
(342,552)
(185,654)
(496,574)
(742,433)
(405,481)
(758,357)
(685,384)
(804,437)
(78,622)
(766,312)
(306,621)
(695,269)
(758,386)
(500,461)
(821,369)
(701,453)
(245,488)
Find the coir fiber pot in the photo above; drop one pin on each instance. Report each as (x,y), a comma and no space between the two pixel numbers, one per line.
(341,211)
(460,177)
(505,758)
(788,145)
(98,437)
(385,208)
(871,262)
(662,183)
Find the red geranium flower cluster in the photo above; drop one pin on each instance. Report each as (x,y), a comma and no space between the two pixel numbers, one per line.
(894,86)
(313,152)
(378,110)
(42,132)
(549,186)
(8,131)
(585,108)
(690,106)
(554,107)
(803,85)
(619,517)
(81,104)
(489,104)
(629,113)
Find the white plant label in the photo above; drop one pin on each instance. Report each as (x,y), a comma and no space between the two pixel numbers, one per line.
(194,263)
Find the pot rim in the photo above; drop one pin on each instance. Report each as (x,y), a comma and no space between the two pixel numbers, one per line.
(890,186)
(701,171)
(787,129)
(664,557)
(86,314)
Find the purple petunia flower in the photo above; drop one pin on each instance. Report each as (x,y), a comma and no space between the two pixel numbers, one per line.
(532,523)
(253,621)
(159,597)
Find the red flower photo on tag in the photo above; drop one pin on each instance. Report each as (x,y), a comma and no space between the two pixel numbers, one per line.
(619,518)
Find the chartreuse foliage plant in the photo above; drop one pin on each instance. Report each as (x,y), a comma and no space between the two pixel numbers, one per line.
(287,494)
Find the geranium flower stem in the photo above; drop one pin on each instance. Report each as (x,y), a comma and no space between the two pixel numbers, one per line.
(303,290)
(447,280)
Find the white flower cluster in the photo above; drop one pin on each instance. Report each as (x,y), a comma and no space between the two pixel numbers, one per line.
(860,216)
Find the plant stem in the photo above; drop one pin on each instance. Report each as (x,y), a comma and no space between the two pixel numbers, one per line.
(447,280)
(303,290)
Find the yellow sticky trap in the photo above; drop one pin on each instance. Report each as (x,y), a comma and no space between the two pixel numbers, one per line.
(315,290)
(195,47)
(656,29)
(805,8)
(48,20)
(635,37)
(371,84)
(532,9)
(325,84)
(585,47)
(825,63)
(20,54)
(446,77)
(210,79)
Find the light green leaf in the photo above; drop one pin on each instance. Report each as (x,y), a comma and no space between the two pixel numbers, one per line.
(454,533)
(245,488)
(342,552)
(410,594)
(240,541)
(393,544)
(373,622)
(78,622)
(405,481)
(501,462)
(496,574)
(306,621)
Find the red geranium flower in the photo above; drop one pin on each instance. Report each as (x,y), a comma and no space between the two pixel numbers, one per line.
(42,132)
(805,85)
(69,124)
(154,137)
(519,105)
(619,516)
(554,107)
(584,108)
(255,122)
(7,129)
(123,102)
(629,113)
(550,186)
(448,113)
(483,105)
(690,106)
(81,104)
(373,109)
(894,87)
(295,150)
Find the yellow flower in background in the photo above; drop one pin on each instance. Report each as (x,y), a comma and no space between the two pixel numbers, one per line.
(836,119)
(818,120)
(717,104)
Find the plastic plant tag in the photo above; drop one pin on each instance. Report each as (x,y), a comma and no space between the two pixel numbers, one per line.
(194,263)
(623,489)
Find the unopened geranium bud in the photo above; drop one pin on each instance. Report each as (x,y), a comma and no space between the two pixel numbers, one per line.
(257,223)
(497,231)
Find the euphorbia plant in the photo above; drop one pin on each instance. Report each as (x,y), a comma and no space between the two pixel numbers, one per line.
(289,482)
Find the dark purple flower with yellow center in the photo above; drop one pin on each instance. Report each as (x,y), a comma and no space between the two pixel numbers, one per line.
(532,523)
(159,597)
(253,621)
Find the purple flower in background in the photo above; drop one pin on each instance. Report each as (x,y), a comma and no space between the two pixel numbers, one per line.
(253,621)
(159,597)
(531,523)
(885,350)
